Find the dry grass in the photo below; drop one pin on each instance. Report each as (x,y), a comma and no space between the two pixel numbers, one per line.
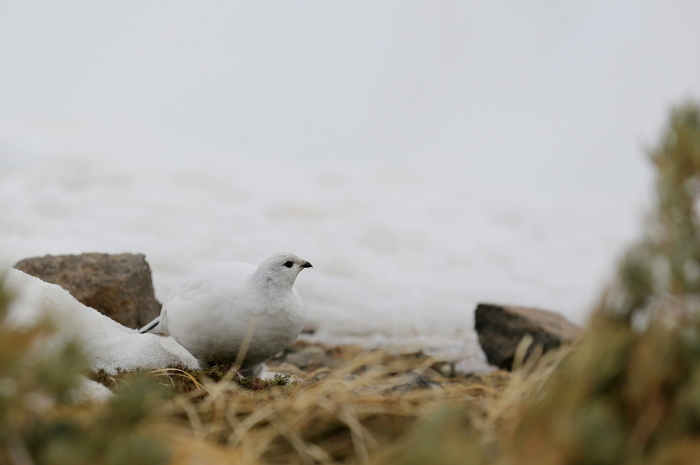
(345,415)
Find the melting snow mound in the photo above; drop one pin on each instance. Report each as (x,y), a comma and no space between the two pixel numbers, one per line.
(109,345)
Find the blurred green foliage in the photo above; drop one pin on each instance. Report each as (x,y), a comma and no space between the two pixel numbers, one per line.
(39,424)
(666,261)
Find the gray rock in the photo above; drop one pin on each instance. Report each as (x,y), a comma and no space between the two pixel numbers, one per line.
(310,327)
(501,328)
(308,358)
(118,286)
(406,382)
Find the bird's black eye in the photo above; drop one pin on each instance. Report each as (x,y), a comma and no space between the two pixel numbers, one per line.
(289,264)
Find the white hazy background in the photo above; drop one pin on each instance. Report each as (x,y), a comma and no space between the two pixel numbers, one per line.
(424,156)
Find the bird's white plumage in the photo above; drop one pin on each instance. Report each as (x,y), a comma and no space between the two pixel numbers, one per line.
(212,309)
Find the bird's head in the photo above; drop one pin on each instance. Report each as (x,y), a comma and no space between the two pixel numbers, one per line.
(280,269)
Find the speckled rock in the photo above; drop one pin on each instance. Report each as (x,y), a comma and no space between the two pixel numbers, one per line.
(118,286)
(501,328)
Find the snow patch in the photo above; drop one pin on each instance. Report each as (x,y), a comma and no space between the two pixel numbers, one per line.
(109,345)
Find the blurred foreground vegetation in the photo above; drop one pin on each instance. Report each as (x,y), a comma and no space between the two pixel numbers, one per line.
(40,421)
(627,393)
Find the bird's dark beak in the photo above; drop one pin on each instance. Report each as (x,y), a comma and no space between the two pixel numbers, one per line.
(306,265)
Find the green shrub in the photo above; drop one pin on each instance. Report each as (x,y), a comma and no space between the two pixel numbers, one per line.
(39,423)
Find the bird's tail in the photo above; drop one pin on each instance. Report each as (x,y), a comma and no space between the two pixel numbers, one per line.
(151,327)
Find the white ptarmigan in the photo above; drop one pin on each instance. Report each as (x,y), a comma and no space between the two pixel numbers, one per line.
(216,310)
